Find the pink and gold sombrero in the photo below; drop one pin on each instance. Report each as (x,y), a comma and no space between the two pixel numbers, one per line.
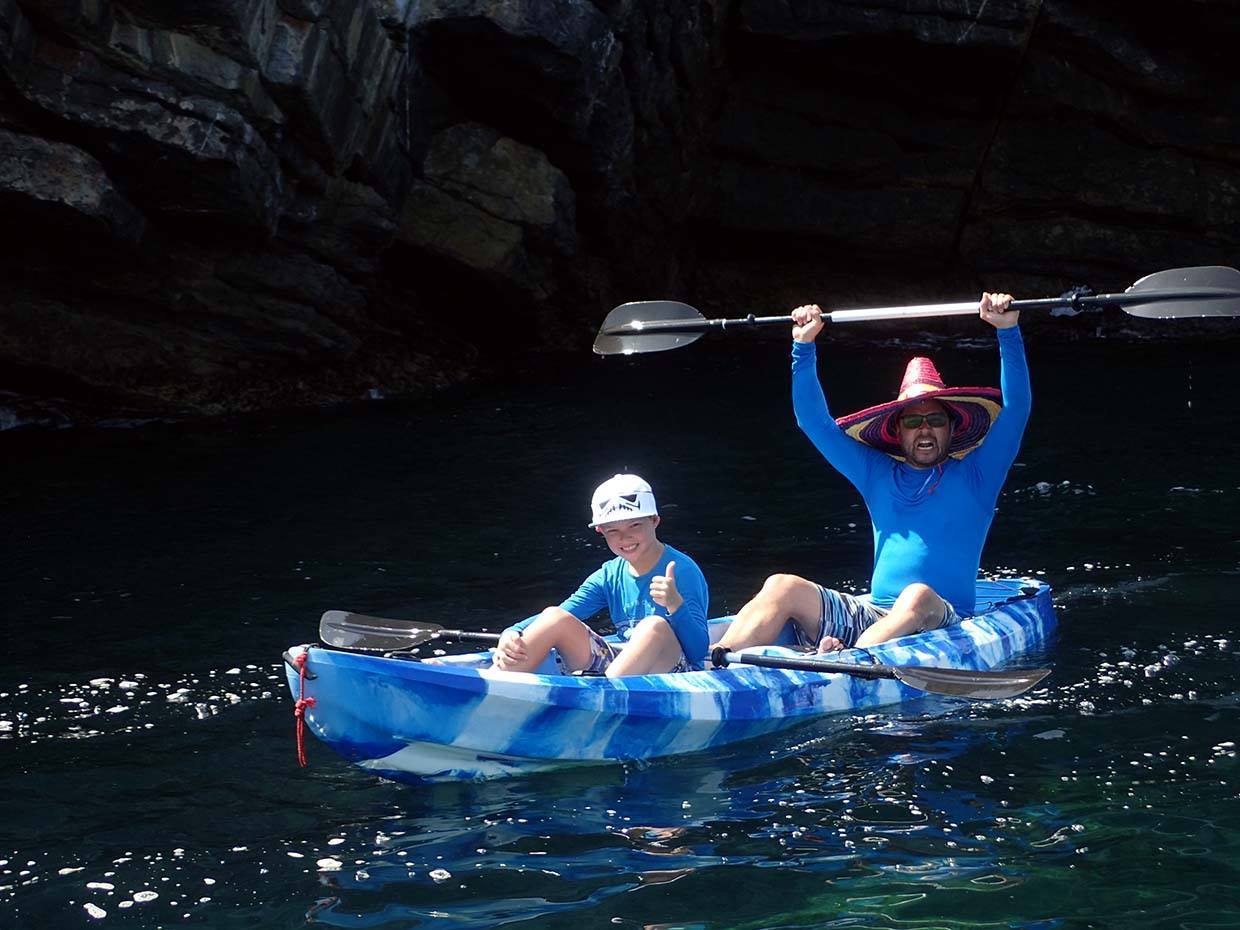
(972,409)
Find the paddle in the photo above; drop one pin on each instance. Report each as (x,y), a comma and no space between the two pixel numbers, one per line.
(659,325)
(956,682)
(360,633)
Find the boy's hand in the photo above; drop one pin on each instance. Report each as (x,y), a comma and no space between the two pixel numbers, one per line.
(808,323)
(994,310)
(509,651)
(663,590)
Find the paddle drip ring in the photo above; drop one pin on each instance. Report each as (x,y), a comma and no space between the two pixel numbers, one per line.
(299,709)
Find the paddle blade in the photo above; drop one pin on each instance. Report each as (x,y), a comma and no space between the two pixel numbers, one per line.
(988,685)
(953,682)
(1207,290)
(345,630)
(621,333)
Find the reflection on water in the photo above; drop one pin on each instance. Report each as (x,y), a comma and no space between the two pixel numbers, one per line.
(146,740)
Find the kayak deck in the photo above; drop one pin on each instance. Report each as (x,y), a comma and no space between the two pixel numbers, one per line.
(409,720)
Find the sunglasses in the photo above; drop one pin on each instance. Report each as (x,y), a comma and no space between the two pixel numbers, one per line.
(914,420)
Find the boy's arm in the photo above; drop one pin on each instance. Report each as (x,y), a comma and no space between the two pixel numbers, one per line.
(689,621)
(582,604)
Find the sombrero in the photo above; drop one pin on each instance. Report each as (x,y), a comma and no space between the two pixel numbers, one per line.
(972,409)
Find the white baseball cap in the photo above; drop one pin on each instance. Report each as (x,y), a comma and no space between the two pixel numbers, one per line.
(624,497)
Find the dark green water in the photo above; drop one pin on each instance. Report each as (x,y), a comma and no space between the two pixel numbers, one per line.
(152,578)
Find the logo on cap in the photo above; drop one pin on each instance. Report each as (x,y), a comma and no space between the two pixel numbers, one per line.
(623,497)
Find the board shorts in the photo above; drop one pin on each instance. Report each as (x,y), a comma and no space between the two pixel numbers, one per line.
(603,653)
(846,617)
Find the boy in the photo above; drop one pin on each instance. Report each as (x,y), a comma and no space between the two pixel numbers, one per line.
(656,595)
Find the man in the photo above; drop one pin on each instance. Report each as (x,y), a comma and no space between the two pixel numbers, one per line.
(929,482)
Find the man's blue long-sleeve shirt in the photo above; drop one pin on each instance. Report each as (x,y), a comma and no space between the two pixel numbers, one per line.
(929,528)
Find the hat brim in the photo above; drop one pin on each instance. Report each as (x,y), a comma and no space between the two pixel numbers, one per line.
(973,410)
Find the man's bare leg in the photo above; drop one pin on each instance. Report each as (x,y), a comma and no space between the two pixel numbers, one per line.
(915,609)
(782,598)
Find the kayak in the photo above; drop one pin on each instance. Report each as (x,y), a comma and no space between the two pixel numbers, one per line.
(410,720)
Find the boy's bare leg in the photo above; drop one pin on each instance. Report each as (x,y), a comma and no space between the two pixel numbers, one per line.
(652,648)
(554,629)
(782,598)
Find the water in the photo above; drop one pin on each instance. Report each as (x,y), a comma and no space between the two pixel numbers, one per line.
(154,576)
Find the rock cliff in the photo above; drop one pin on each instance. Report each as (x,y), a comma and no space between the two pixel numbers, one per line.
(222,205)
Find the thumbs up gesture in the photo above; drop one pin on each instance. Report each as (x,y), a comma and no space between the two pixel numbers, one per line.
(663,590)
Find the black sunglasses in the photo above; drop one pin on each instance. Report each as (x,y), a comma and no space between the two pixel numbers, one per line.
(914,420)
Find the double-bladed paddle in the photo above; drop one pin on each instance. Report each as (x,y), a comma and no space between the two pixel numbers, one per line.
(954,682)
(658,325)
(361,633)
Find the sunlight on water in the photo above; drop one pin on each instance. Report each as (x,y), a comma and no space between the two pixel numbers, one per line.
(147,735)
(127,703)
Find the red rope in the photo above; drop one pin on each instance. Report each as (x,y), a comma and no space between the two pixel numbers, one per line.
(299,709)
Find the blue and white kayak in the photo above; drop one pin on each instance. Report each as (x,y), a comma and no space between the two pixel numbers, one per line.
(409,720)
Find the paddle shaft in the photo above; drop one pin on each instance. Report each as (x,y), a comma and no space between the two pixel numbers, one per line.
(721,658)
(468,636)
(976,684)
(963,308)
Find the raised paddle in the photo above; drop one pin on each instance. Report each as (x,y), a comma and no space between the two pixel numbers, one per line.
(955,682)
(658,325)
(360,633)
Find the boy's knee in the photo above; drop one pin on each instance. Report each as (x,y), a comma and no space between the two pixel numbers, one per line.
(653,627)
(553,618)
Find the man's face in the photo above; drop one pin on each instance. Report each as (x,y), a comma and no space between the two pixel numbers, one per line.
(924,445)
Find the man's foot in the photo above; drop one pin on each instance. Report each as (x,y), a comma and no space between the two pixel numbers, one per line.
(831,644)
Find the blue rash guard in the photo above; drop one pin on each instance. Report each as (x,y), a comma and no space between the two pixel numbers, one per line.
(627,599)
(929,527)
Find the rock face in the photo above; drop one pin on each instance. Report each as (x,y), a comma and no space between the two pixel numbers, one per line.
(235,204)
(1017,143)
(495,206)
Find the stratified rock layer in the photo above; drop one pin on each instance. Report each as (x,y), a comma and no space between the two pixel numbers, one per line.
(918,149)
(236,204)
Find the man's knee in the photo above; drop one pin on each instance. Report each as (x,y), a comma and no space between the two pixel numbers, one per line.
(918,594)
(920,600)
(783,587)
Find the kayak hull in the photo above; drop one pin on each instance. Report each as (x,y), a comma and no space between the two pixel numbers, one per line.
(407,720)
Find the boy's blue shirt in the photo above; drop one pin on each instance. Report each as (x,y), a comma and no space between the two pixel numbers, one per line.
(626,597)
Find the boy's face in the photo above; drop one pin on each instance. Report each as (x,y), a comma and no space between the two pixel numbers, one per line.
(632,540)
